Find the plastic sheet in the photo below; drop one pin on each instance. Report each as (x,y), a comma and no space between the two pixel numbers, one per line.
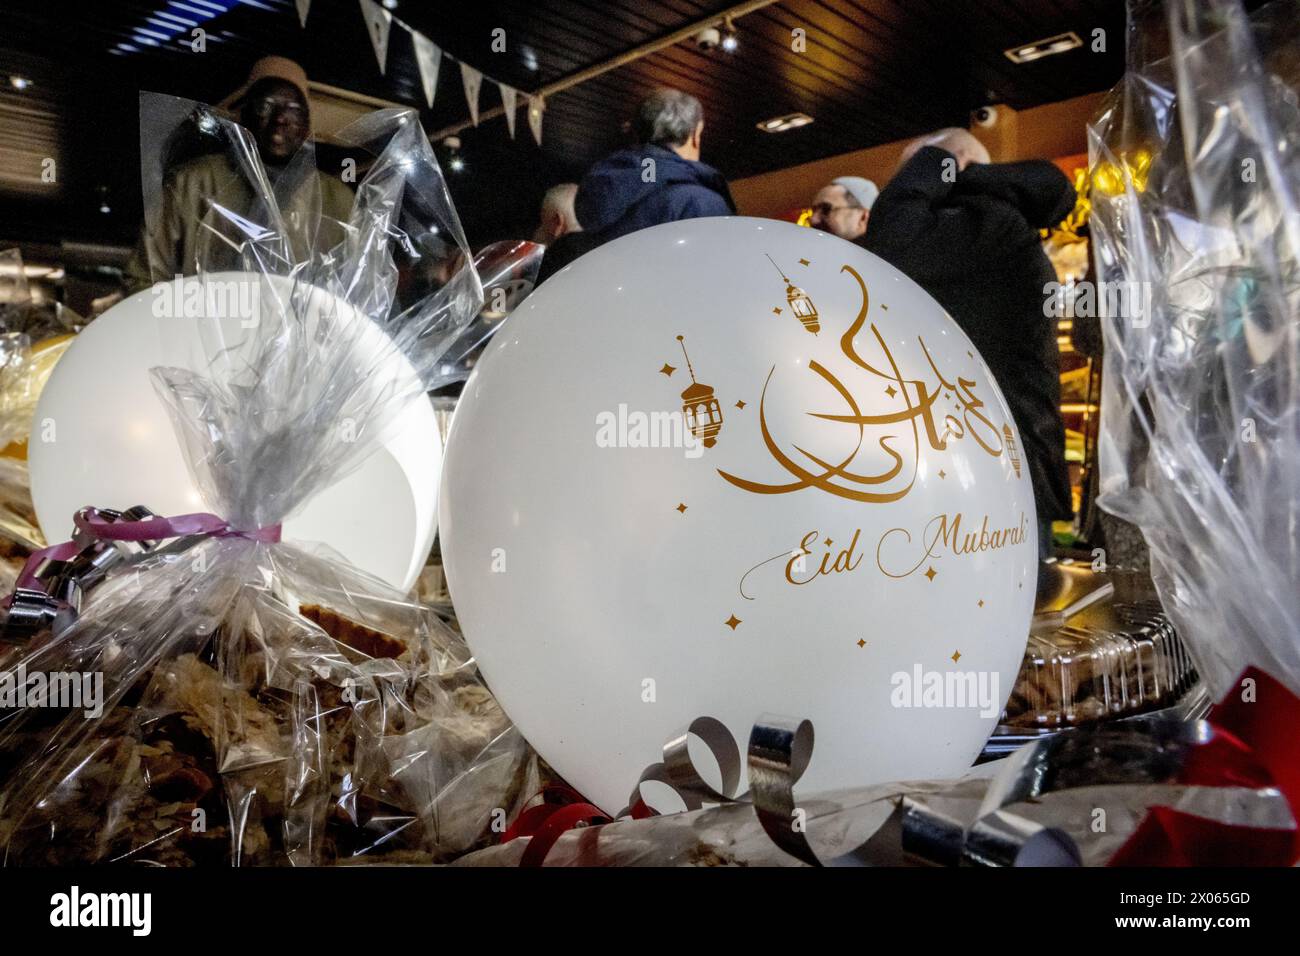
(18,532)
(32,336)
(264,703)
(1195,163)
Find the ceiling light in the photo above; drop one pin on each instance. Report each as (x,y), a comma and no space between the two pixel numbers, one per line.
(729,39)
(779,124)
(206,14)
(1041,48)
(390,4)
(179,21)
(19,83)
(454,162)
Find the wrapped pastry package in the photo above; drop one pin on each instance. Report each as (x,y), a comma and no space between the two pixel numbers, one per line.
(1195,163)
(244,699)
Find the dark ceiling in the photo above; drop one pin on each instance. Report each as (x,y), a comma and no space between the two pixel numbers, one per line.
(873,71)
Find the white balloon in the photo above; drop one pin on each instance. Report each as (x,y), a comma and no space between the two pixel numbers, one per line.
(880,581)
(113,444)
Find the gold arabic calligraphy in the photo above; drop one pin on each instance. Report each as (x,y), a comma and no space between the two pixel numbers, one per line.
(919,412)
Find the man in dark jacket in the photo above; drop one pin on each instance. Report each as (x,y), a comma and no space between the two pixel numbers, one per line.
(662,180)
(967,232)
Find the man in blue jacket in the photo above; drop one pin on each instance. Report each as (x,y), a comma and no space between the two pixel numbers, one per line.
(662,180)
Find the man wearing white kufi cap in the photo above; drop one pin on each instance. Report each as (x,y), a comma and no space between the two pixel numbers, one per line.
(843,206)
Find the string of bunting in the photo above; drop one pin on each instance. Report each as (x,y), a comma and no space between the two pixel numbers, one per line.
(429,57)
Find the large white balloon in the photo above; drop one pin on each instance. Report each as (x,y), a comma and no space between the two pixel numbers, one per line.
(839,526)
(114,446)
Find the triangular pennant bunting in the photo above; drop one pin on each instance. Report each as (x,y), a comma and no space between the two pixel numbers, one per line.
(509,99)
(428,57)
(472,79)
(378,22)
(303,7)
(536,107)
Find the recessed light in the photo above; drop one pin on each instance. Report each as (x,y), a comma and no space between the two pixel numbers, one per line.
(179,21)
(779,124)
(19,83)
(390,4)
(1028,52)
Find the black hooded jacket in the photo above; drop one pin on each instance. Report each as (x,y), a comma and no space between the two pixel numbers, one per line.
(623,193)
(972,242)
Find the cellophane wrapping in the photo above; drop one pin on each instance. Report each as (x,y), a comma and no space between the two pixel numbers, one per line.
(1195,161)
(267,703)
(24,323)
(18,532)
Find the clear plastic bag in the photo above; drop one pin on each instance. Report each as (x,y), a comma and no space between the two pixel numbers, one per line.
(261,702)
(32,337)
(1195,161)
(19,535)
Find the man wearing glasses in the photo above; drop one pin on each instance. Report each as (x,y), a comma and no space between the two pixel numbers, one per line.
(843,207)
(207,201)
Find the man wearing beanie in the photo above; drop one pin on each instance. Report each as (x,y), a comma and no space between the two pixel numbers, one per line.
(843,207)
(204,197)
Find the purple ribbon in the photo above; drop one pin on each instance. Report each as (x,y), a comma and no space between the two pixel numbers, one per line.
(92,522)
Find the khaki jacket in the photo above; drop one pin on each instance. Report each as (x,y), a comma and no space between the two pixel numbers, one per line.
(194,228)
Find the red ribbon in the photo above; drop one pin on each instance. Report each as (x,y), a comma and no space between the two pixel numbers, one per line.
(562,810)
(1256,743)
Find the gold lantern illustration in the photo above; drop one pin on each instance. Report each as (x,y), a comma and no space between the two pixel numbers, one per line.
(700,407)
(799,303)
(1012,452)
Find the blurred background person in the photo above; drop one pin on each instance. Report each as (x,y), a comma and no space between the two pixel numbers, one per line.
(966,231)
(273,107)
(660,180)
(557,218)
(843,206)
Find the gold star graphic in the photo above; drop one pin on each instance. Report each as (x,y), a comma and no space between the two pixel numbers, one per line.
(942,474)
(668,369)
(803,262)
(956,656)
(732,621)
(776,311)
(891,391)
(930,572)
(981,602)
(861,643)
(682,508)
(741,405)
